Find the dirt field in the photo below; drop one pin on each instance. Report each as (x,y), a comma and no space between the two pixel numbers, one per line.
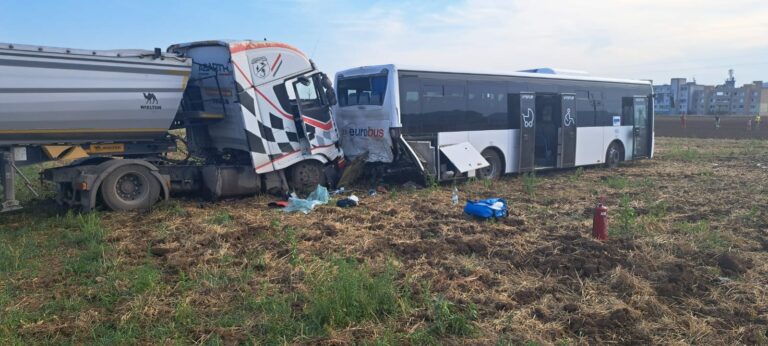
(733,127)
(686,263)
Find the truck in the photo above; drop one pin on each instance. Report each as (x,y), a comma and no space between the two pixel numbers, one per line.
(214,118)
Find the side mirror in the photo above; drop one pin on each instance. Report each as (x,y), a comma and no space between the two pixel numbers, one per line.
(330,94)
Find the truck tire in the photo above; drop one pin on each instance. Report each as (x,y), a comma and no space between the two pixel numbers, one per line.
(495,170)
(306,175)
(130,187)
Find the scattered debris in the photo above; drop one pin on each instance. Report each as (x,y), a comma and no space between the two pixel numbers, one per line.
(318,197)
(351,201)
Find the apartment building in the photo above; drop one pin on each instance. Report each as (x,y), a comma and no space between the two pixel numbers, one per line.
(683,97)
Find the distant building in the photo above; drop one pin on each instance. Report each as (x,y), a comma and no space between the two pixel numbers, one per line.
(683,97)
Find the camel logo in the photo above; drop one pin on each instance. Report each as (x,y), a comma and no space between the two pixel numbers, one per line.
(150,102)
(568,119)
(528,118)
(260,66)
(151,98)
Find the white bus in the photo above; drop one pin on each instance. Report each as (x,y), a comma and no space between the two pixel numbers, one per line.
(454,124)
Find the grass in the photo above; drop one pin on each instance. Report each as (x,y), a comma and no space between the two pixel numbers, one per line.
(446,319)
(293,244)
(405,270)
(346,294)
(529,182)
(626,224)
(23,192)
(577,175)
(616,182)
(687,154)
(221,217)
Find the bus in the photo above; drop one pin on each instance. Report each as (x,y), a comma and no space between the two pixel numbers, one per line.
(450,124)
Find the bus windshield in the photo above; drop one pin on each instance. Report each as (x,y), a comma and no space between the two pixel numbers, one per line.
(363,90)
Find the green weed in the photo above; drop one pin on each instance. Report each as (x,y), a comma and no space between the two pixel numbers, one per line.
(616,182)
(172,207)
(221,217)
(687,155)
(647,183)
(529,182)
(699,227)
(446,319)
(659,209)
(576,176)
(85,232)
(751,216)
(293,243)
(626,219)
(347,293)
(432,181)
(704,236)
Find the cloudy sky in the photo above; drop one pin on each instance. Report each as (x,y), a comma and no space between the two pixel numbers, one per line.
(643,39)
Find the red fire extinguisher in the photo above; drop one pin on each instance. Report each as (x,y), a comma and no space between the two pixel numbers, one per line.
(600,221)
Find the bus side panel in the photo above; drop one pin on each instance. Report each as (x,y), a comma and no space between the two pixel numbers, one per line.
(623,134)
(588,140)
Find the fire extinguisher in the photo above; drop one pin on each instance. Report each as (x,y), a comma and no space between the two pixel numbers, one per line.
(600,221)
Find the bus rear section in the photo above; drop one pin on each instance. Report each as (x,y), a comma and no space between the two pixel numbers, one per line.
(456,125)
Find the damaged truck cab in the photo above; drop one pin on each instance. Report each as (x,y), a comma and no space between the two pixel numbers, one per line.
(252,116)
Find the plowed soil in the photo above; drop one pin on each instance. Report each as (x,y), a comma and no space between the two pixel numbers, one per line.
(686,261)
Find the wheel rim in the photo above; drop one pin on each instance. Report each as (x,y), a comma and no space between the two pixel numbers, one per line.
(490,171)
(613,156)
(307,175)
(131,187)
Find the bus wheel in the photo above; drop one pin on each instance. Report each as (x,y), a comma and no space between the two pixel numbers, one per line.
(130,187)
(613,155)
(495,169)
(306,175)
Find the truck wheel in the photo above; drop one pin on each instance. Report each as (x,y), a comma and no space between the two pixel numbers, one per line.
(306,175)
(495,169)
(130,187)
(613,155)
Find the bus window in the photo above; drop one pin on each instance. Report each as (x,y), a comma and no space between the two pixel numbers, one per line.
(444,105)
(585,109)
(487,105)
(612,104)
(410,104)
(363,90)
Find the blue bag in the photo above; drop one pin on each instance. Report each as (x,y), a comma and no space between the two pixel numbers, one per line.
(487,208)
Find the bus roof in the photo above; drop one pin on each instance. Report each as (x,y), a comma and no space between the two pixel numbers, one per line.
(413,68)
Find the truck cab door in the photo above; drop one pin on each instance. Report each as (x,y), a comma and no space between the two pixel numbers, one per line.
(314,109)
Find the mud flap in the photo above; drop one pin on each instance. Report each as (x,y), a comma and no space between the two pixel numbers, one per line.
(465,157)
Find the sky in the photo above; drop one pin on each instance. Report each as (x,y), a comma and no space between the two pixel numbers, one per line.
(638,39)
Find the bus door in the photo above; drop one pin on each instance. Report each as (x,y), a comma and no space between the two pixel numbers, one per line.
(527,143)
(567,141)
(641,130)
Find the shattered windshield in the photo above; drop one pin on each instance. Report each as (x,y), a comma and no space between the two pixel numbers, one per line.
(363,90)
